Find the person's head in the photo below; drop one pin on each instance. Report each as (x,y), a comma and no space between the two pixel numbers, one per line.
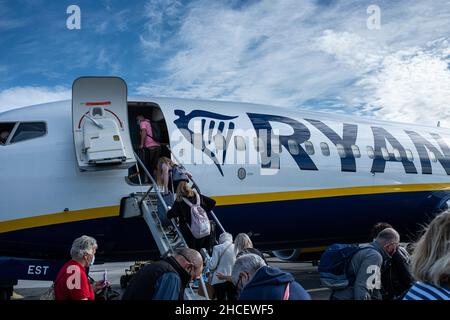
(140,118)
(242,242)
(191,261)
(4,136)
(377,228)
(389,240)
(244,269)
(83,250)
(184,190)
(430,261)
(225,237)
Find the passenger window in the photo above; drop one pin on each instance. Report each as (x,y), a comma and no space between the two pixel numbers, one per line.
(325,149)
(397,155)
(341,150)
(370,152)
(356,152)
(309,148)
(432,156)
(385,154)
(6,128)
(259,145)
(239,143)
(409,155)
(219,141)
(293,147)
(28,131)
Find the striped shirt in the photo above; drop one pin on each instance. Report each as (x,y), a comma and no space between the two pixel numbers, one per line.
(426,291)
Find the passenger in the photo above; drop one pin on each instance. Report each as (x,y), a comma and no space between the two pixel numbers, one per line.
(365,266)
(222,261)
(169,174)
(243,245)
(255,280)
(4,137)
(396,278)
(165,279)
(151,149)
(72,280)
(431,262)
(182,211)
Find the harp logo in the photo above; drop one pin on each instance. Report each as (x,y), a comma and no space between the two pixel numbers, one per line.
(207,131)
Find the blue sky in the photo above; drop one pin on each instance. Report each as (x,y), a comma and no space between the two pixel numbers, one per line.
(298,53)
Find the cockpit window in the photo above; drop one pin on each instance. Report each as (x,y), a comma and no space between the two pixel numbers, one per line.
(28,131)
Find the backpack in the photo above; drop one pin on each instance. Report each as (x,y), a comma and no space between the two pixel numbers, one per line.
(200,226)
(178,174)
(334,263)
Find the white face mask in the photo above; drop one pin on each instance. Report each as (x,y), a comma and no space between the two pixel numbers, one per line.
(92,261)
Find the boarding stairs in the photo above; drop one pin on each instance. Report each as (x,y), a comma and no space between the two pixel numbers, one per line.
(168,239)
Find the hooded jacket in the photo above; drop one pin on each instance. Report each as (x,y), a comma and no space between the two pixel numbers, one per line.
(269,283)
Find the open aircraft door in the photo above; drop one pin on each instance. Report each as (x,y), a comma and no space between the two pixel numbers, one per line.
(100,124)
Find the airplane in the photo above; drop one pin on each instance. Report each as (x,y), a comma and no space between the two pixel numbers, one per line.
(292,178)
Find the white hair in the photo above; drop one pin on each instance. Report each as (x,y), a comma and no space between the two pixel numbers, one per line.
(225,237)
(81,246)
(249,263)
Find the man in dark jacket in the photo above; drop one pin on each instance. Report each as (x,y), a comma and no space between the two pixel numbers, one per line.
(396,278)
(366,267)
(165,279)
(257,281)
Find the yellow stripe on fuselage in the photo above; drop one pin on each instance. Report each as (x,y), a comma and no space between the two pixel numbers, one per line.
(112,211)
(58,218)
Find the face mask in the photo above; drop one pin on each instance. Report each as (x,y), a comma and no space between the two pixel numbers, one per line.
(92,261)
(138,122)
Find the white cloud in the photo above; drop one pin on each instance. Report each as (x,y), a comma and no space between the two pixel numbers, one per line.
(299,52)
(23,96)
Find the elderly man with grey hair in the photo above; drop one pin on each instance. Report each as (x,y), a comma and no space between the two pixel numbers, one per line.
(254,280)
(366,267)
(72,280)
(165,279)
(221,262)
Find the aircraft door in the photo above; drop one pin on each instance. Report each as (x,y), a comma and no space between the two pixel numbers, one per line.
(100,124)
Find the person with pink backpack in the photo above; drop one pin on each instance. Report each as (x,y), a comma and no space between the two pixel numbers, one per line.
(191,209)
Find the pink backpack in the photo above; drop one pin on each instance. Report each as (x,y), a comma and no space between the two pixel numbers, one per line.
(200,226)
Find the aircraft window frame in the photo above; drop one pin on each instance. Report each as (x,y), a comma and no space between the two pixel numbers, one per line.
(341,150)
(294,148)
(309,148)
(397,155)
(385,153)
(370,152)
(409,155)
(325,149)
(239,143)
(17,126)
(356,151)
(432,156)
